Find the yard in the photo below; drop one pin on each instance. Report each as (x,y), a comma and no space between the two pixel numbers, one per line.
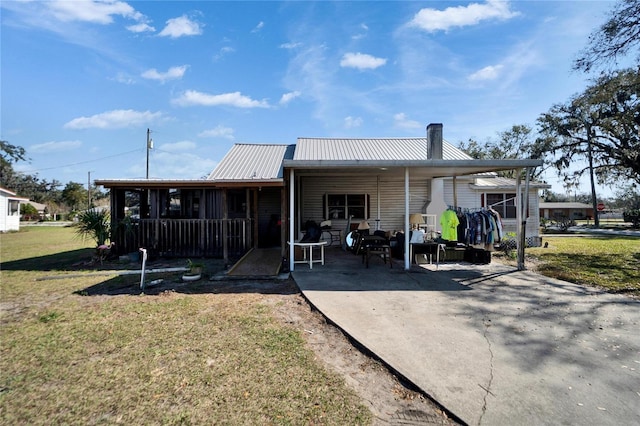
(608,262)
(76,350)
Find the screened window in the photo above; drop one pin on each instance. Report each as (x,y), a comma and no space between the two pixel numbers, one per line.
(14,207)
(505,204)
(341,206)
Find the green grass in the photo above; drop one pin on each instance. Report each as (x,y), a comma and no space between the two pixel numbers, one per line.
(612,263)
(169,358)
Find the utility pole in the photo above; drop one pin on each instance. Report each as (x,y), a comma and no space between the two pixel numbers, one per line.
(89,191)
(149,146)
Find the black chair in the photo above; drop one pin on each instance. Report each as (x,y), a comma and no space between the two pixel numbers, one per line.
(313,234)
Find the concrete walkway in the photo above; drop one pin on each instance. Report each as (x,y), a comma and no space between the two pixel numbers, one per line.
(493,345)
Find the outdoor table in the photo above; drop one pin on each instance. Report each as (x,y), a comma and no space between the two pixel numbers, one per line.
(310,246)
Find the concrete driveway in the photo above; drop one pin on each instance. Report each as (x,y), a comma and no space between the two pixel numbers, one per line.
(491,344)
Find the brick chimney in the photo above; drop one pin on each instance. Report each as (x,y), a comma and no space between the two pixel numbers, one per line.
(434,141)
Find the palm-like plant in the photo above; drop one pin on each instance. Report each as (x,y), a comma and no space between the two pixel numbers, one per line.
(95,224)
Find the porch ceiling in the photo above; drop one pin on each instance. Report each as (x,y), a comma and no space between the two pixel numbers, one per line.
(422,168)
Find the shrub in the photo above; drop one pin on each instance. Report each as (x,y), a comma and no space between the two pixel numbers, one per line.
(95,224)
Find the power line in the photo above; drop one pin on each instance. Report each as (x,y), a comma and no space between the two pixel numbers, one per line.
(81,162)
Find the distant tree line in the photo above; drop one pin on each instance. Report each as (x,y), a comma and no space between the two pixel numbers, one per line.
(59,199)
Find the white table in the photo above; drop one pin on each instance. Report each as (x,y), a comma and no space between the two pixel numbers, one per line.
(310,246)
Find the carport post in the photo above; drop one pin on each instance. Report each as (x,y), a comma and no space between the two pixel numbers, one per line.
(407,255)
(291,219)
(519,213)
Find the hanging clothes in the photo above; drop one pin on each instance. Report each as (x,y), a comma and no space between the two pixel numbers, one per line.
(449,222)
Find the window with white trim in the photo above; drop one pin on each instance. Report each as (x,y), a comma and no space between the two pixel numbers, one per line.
(504,204)
(341,206)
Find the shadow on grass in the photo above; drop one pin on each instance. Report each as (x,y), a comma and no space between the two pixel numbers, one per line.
(171,282)
(63,261)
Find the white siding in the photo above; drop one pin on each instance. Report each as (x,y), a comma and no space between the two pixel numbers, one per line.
(8,222)
(4,209)
(391,195)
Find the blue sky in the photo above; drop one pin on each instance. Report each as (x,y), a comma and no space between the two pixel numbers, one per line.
(83,80)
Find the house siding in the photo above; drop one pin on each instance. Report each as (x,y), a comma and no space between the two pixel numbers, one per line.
(313,190)
(8,222)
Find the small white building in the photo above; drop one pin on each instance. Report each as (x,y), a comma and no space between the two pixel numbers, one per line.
(10,210)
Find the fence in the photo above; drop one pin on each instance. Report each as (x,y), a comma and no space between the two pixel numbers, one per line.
(185,237)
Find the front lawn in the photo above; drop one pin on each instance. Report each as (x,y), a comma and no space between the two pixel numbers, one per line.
(610,262)
(67,357)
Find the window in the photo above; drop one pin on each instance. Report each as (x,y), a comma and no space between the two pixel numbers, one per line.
(505,204)
(341,206)
(14,207)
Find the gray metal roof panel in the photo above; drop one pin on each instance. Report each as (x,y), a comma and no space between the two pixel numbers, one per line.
(371,149)
(252,162)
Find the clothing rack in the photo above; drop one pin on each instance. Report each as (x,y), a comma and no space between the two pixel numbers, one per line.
(466,209)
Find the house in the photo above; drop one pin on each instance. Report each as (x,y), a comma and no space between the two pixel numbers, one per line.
(40,208)
(10,210)
(569,210)
(261,190)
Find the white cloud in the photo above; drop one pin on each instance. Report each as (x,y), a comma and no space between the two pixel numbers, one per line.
(490,72)
(459,16)
(141,28)
(290,45)
(361,61)
(123,78)
(258,27)
(115,119)
(178,146)
(176,161)
(288,97)
(402,121)
(223,52)
(218,132)
(181,26)
(98,12)
(172,73)
(235,99)
(351,122)
(55,146)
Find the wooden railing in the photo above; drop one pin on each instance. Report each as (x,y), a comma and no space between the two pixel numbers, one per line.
(185,237)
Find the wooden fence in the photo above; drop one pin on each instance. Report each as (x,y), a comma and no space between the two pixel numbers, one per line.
(185,237)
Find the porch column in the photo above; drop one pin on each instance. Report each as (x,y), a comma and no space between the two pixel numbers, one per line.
(225,227)
(523,219)
(253,207)
(519,203)
(292,189)
(407,254)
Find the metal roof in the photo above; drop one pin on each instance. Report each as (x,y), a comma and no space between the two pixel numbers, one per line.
(499,182)
(252,162)
(565,205)
(371,149)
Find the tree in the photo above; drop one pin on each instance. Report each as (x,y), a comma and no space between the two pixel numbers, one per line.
(516,142)
(600,126)
(74,195)
(9,154)
(614,39)
(28,212)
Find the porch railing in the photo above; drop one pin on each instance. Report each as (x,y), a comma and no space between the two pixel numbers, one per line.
(185,237)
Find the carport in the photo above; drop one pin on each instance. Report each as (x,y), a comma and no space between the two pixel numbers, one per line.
(371,159)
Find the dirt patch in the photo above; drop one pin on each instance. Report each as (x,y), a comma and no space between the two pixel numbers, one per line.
(391,400)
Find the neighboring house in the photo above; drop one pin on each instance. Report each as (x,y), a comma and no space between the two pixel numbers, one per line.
(40,208)
(256,185)
(570,210)
(10,210)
